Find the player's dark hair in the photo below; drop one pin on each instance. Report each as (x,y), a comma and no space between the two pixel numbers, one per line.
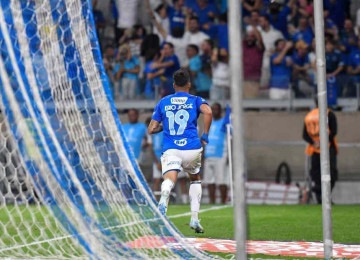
(181,77)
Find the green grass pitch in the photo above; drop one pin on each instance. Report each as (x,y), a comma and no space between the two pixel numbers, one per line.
(278,223)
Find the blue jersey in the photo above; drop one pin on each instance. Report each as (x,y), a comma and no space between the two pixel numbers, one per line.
(179,113)
(157,144)
(135,134)
(216,146)
(280,73)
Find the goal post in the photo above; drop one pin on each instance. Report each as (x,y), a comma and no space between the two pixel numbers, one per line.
(69,185)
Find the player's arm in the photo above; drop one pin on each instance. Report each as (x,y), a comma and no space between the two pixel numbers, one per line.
(206,111)
(154,127)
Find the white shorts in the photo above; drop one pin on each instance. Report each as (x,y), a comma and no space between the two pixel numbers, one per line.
(187,160)
(215,171)
(157,174)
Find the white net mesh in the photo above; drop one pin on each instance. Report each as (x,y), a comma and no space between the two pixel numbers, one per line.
(68,185)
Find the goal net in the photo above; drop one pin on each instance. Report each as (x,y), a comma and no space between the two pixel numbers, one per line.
(69,187)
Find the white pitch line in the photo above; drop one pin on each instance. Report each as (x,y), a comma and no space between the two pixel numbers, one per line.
(201,211)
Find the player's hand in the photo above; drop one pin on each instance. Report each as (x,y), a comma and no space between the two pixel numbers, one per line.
(204,139)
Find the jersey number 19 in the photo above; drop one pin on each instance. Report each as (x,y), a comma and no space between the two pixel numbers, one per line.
(181,118)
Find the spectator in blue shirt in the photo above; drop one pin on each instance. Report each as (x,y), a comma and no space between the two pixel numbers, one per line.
(304,31)
(215,171)
(337,11)
(353,69)
(127,71)
(219,32)
(334,66)
(200,81)
(205,11)
(278,15)
(191,3)
(300,74)
(135,132)
(330,27)
(280,66)
(170,63)
(348,38)
(152,75)
(334,59)
(176,15)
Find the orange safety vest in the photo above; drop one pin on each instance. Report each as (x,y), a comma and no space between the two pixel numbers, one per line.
(313,129)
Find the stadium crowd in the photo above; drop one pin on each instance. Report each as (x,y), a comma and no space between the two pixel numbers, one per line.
(144,42)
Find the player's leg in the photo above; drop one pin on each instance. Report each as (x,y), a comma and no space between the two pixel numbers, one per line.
(166,187)
(192,165)
(171,165)
(195,193)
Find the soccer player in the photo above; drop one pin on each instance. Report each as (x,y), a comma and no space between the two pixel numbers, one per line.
(176,115)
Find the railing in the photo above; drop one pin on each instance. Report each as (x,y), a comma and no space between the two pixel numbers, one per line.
(346,103)
(351,104)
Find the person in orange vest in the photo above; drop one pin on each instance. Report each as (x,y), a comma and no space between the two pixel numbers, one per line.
(311,134)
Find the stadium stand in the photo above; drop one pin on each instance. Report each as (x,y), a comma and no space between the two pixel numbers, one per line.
(192,22)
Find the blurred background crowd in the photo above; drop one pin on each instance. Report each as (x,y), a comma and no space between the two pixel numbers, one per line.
(144,41)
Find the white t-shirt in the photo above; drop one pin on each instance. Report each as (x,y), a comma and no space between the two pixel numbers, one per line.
(269,38)
(128,13)
(195,38)
(179,48)
(221,74)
